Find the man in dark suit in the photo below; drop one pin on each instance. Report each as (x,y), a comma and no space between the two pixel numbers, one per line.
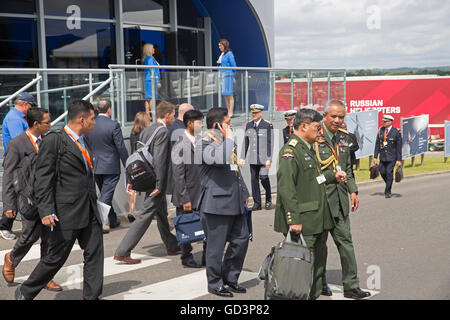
(177,128)
(289,129)
(67,204)
(389,147)
(186,176)
(155,200)
(25,144)
(107,144)
(222,205)
(259,137)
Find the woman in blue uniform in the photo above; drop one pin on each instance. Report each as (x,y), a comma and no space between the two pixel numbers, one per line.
(226,59)
(148,52)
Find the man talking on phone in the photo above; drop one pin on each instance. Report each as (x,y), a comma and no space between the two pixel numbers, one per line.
(223,198)
(333,153)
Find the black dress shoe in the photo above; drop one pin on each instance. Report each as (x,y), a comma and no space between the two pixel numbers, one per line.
(131,218)
(221,292)
(387,195)
(326,291)
(256,207)
(268,205)
(190,263)
(115,225)
(18,294)
(356,293)
(236,288)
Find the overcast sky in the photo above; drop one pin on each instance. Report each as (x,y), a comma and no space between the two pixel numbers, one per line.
(362,34)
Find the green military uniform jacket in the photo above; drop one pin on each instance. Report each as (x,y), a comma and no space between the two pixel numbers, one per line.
(300,198)
(337,193)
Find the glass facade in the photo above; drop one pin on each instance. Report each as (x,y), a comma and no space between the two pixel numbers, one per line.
(90,46)
(18,6)
(154,12)
(100,9)
(18,43)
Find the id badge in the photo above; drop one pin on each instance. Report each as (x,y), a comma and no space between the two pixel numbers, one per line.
(338,168)
(233,167)
(321,179)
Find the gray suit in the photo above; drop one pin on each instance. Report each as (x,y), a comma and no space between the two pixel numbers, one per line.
(17,149)
(107,144)
(186,181)
(222,208)
(156,206)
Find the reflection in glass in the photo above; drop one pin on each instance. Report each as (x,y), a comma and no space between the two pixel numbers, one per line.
(102,9)
(188,15)
(91,46)
(146,12)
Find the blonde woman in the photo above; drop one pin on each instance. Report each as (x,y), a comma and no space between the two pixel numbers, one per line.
(147,56)
(141,121)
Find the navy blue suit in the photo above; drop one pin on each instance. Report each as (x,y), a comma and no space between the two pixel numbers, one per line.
(389,154)
(109,150)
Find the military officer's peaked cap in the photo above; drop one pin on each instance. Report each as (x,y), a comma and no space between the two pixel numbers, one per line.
(256,107)
(387,117)
(289,114)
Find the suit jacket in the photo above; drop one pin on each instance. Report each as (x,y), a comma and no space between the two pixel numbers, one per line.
(287,133)
(159,148)
(259,140)
(223,191)
(107,145)
(16,150)
(354,146)
(185,174)
(300,198)
(393,150)
(67,189)
(175,131)
(337,193)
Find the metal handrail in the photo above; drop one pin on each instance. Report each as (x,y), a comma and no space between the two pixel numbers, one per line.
(133,66)
(90,94)
(25,87)
(79,86)
(51,70)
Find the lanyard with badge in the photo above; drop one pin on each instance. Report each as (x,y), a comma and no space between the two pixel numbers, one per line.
(32,141)
(85,153)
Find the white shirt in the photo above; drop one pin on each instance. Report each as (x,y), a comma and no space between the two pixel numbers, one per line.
(388,129)
(258,122)
(34,138)
(190,137)
(103,114)
(219,61)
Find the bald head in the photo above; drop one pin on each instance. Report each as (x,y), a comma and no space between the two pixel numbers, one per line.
(182,109)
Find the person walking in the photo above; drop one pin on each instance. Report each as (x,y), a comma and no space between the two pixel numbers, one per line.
(67,204)
(108,147)
(155,200)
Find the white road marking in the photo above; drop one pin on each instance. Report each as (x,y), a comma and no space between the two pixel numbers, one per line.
(186,287)
(72,276)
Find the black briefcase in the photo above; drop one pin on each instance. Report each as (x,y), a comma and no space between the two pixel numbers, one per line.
(399,174)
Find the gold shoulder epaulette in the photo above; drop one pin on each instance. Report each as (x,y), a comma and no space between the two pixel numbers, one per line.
(293,142)
(267,121)
(321,141)
(344,131)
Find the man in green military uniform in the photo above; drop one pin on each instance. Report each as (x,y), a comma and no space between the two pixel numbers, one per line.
(301,198)
(333,153)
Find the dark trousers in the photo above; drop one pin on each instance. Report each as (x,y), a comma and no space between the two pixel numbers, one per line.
(6,223)
(60,244)
(256,193)
(387,173)
(31,232)
(106,183)
(156,206)
(221,229)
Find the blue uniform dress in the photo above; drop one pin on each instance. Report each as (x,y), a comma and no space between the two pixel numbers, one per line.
(150,61)
(227,76)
